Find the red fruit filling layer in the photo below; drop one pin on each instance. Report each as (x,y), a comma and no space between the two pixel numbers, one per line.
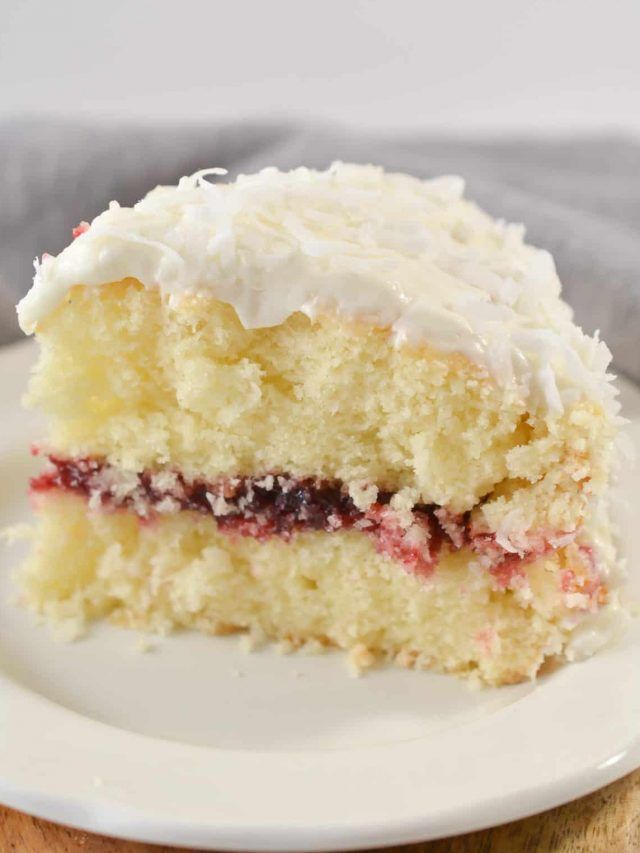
(282,505)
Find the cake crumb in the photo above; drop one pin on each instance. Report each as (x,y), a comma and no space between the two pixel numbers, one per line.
(253,640)
(363,494)
(406,658)
(144,645)
(285,647)
(313,647)
(359,659)
(16,533)
(238,673)
(218,504)
(68,629)
(402,504)
(474,682)
(97,781)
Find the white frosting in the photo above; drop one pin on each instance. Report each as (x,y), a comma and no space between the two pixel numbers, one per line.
(597,630)
(409,254)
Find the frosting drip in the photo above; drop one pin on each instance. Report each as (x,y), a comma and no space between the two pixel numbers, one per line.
(404,253)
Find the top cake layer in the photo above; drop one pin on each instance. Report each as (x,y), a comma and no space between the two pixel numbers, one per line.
(399,252)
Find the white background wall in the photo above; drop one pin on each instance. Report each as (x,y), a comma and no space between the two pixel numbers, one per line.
(550,65)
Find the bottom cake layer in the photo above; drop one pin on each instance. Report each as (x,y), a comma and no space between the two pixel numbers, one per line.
(180,570)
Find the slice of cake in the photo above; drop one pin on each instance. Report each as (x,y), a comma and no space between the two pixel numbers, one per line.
(342,408)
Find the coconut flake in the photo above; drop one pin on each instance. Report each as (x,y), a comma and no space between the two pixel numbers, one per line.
(408,254)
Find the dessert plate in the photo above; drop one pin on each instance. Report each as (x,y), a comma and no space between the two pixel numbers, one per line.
(191,740)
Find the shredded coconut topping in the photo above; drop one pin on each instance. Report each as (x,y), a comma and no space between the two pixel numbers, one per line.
(408,254)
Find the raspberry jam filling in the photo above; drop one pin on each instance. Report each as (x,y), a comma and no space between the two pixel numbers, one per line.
(282,505)
(261,507)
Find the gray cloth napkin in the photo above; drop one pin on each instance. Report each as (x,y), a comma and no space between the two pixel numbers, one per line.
(579,197)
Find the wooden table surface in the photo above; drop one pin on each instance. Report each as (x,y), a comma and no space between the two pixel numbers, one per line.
(607,821)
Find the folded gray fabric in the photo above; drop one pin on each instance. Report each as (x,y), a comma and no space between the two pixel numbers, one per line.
(580,198)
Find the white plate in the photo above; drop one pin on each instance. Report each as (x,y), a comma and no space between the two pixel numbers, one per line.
(198,743)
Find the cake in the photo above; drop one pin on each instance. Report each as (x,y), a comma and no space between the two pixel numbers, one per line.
(326,408)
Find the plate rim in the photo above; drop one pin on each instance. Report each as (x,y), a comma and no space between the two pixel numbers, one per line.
(107,816)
